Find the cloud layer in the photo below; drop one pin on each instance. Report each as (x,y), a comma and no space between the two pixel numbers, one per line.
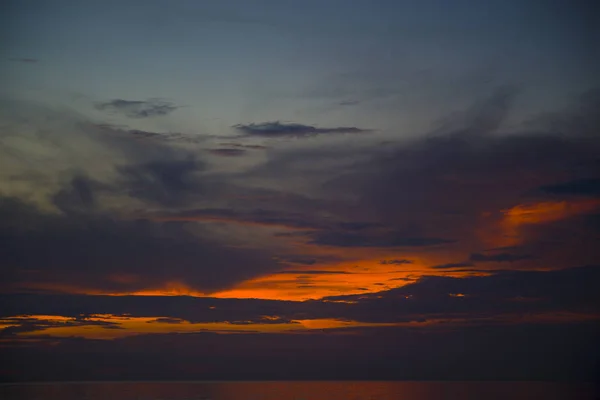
(467,228)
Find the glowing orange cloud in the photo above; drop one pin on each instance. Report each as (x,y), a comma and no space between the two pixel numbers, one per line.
(131,326)
(544,212)
(508,232)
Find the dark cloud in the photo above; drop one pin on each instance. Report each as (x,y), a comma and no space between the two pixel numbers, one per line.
(318,231)
(461,321)
(76,251)
(17,325)
(581,187)
(301,260)
(173,137)
(500,257)
(387,239)
(395,262)
(423,192)
(278,129)
(259,217)
(167,321)
(452,265)
(77,195)
(313,272)
(504,293)
(166,182)
(169,136)
(138,108)
(459,182)
(452,187)
(498,298)
(245,146)
(309,260)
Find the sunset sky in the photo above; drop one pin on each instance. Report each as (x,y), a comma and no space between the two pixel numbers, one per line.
(327,189)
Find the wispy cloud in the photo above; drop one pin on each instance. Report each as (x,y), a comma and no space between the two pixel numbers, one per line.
(387,239)
(138,108)
(24,60)
(452,265)
(314,272)
(156,136)
(245,146)
(395,262)
(279,129)
(501,257)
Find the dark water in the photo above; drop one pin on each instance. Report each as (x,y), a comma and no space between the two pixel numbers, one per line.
(298,391)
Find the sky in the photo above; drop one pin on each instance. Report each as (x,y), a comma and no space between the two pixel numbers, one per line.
(299,190)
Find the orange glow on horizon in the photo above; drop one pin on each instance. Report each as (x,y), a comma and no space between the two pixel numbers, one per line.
(121,327)
(124,326)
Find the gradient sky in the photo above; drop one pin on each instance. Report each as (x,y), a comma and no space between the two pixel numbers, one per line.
(280,189)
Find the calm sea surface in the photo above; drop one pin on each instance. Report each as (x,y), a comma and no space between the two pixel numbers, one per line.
(298,391)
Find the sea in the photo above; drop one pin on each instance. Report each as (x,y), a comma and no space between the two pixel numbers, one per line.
(298,390)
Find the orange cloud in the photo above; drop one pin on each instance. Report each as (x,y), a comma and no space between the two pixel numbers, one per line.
(358,277)
(508,231)
(124,326)
(545,212)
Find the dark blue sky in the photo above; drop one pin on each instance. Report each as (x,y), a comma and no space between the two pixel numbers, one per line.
(404,63)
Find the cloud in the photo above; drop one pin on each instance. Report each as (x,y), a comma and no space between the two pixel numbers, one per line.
(172,220)
(18,325)
(395,262)
(313,272)
(25,60)
(452,265)
(97,251)
(516,314)
(77,195)
(455,182)
(500,294)
(245,146)
(580,117)
(166,321)
(482,118)
(501,257)
(317,231)
(138,108)
(498,298)
(173,137)
(278,129)
(349,103)
(166,182)
(169,136)
(383,240)
(259,217)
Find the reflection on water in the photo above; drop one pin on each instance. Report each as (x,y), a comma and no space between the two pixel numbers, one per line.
(297,391)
